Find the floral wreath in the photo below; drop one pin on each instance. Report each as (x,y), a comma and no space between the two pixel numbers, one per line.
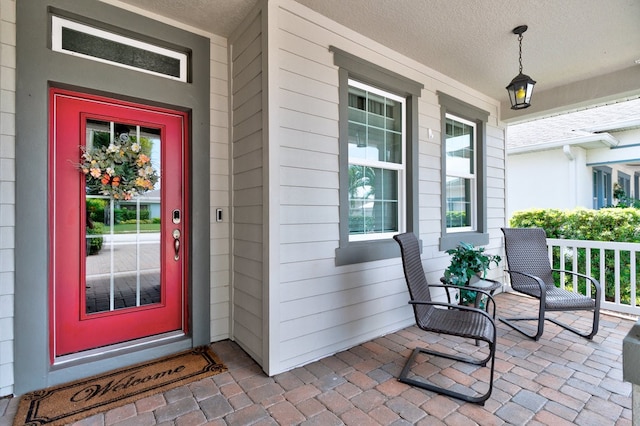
(119,170)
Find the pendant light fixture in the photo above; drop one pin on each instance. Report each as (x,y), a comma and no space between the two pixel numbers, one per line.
(521,87)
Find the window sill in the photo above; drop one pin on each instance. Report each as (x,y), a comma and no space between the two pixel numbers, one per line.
(367,251)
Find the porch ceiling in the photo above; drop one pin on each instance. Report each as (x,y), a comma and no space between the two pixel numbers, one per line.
(581,52)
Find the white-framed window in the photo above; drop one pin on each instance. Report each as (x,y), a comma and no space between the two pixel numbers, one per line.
(461,174)
(74,38)
(377,132)
(602,187)
(378,159)
(624,182)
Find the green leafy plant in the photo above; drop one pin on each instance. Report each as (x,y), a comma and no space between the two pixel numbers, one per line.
(468,261)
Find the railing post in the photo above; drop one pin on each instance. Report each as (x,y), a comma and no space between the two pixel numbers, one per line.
(630,370)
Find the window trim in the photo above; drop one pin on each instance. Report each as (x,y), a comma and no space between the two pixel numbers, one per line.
(603,186)
(624,180)
(460,109)
(351,66)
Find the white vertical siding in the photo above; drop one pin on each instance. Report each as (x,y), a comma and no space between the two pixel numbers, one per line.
(219,188)
(247,174)
(324,308)
(7,190)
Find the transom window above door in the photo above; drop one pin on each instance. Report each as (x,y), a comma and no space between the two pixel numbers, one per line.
(74,38)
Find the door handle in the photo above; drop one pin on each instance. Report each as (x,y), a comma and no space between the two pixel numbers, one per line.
(176,244)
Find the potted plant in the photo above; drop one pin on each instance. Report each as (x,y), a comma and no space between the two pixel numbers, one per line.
(468,264)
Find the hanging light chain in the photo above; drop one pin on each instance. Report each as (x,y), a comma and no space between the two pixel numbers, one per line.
(520,49)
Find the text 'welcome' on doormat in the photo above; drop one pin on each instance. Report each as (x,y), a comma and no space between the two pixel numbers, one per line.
(64,404)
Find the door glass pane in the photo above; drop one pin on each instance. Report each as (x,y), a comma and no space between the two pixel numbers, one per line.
(123,199)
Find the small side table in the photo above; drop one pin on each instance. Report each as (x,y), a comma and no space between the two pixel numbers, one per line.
(485,284)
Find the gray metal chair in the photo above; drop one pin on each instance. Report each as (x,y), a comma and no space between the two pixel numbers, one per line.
(531,273)
(444,318)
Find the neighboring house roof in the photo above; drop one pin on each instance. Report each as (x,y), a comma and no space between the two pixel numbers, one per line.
(588,128)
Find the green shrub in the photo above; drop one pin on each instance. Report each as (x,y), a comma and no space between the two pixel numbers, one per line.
(124,215)
(94,244)
(133,221)
(95,208)
(456,219)
(610,224)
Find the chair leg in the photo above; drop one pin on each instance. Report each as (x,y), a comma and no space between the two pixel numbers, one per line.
(589,335)
(540,321)
(511,323)
(480,399)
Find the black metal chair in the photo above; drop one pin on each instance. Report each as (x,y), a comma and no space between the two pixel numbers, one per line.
(444,318)
(531,274)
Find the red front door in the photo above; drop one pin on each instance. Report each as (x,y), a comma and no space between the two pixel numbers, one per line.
(117,221)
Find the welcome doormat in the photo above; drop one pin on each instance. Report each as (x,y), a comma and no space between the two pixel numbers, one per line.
(64,404)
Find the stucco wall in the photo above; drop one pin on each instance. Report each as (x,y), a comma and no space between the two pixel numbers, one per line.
(7,190)
(548,179)
(551,179)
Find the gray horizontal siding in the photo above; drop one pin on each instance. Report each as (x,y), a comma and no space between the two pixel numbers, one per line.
(324,308)
(248,203)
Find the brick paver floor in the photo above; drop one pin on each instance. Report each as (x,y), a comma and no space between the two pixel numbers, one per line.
(560,380)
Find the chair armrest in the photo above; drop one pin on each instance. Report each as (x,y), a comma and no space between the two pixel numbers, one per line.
(594,282)
(442,280)
(458,307)
(459,287)
(537,280)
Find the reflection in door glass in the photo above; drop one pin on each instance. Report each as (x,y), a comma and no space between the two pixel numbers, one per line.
(122,216)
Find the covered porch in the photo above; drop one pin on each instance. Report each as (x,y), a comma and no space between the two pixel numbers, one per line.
(560,379)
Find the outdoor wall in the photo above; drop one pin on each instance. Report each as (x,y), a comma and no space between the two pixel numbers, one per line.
(623,158)
(549,179)
(316,307)
(38,66)
(7,190)
(219,184)
(249,184)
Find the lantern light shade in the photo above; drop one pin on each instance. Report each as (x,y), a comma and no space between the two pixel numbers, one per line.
(521,87)
(520,90)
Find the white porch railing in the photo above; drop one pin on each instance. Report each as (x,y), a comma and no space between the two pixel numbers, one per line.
(615,265)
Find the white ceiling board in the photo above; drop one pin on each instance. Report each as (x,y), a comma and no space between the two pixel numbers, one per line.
(218,17)
(469,40)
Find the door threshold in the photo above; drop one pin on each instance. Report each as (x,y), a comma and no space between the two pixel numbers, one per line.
(117,349)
